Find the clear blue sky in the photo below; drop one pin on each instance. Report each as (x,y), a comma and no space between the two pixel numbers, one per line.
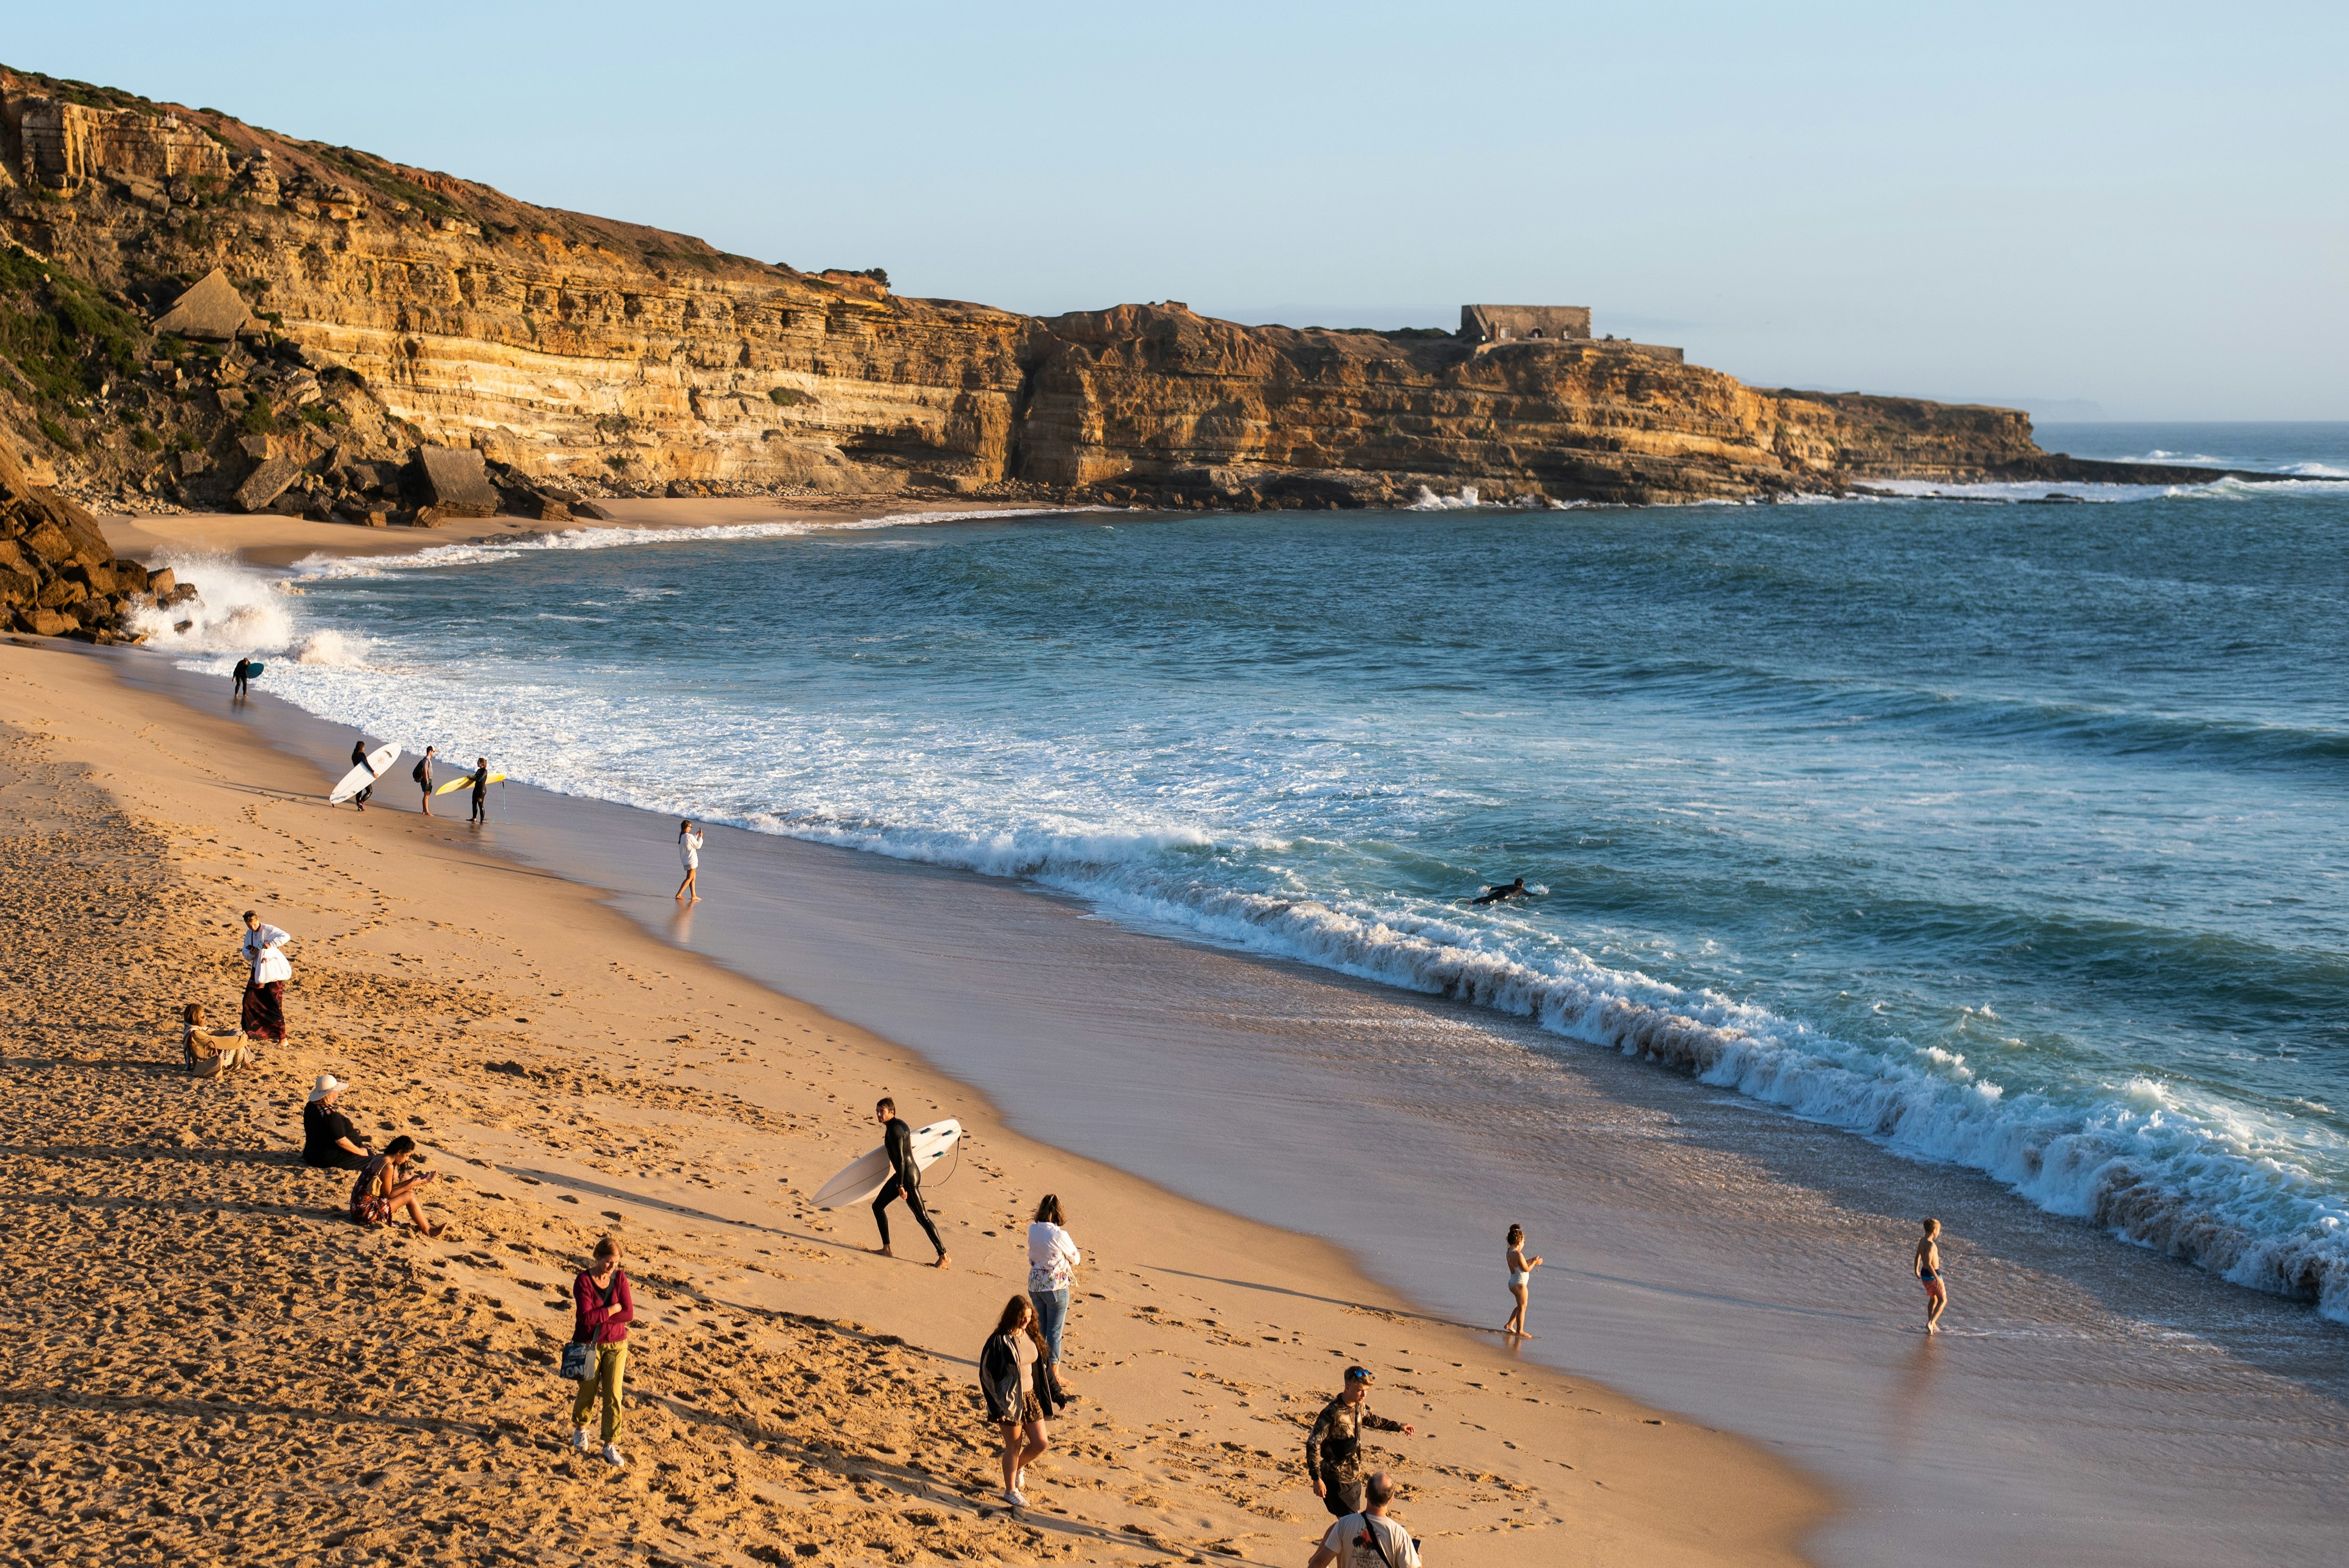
(2139,206)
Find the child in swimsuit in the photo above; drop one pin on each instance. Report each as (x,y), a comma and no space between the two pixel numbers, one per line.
(1521,1273)
(1927,1264)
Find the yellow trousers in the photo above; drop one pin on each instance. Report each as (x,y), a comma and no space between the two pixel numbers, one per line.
(607,1372)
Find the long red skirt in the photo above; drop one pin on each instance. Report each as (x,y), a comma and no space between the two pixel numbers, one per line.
(264,1010)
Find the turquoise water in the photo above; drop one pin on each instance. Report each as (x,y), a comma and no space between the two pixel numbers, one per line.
(2012,836)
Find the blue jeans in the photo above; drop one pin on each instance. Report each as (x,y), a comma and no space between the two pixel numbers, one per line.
(1051,1316)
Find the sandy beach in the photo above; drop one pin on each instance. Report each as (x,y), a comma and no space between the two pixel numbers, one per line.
(212,1363)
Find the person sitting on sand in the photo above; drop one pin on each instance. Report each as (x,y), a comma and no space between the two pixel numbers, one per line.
(1020,1397)
(1368,1539)
(330,1140)
(1333,1448)
(689,854)
(385,1187)
(265,988)
(1052,1260)
(1521,1276)
(1926,1264)
(211,1052)
(1499,892)
(602,1309)
(905,1180)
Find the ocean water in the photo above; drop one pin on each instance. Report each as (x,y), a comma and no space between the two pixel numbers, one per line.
(2009,835)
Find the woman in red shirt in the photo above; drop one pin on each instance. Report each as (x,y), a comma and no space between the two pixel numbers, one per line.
(602,1310)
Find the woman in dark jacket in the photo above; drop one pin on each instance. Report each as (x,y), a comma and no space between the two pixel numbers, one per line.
(1015,1375)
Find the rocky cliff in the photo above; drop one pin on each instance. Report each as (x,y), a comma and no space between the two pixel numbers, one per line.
(58,576)
(362,309)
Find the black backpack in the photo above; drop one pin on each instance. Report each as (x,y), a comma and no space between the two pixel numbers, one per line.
(419,774)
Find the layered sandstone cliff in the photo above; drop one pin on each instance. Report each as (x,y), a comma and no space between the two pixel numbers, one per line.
(395,307)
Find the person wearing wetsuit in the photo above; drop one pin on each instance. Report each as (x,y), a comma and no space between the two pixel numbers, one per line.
(358,760)
(1497,892)
(480,789)
(904,1182)
(242,675)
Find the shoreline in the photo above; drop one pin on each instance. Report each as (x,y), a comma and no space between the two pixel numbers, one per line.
(1157,1260)
(1722,1258)
(269,541)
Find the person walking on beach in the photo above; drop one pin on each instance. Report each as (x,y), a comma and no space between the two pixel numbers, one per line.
(1333,1448)
(358,760)
(1926,1264)
(330,1140)
(1052,1260)
(241,677)
(1521,1275)
(904,1181)
(602,1309)
(210,1052)
(1018,1383)
(689,851)
(264,987)
(1368,1539)
(385,1187)
(422,774)
(481,791)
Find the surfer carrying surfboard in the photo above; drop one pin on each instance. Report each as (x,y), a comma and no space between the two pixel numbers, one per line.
(905,1179)
(481,790)
(360,760)
(241,677)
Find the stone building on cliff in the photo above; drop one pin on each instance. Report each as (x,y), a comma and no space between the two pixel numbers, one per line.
(1516,323)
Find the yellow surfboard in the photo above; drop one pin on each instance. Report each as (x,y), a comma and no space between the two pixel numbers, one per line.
(465,781)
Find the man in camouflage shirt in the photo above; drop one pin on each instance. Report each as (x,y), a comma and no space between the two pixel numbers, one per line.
(1333,1448)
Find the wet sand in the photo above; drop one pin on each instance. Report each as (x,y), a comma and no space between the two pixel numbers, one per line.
(210,1364)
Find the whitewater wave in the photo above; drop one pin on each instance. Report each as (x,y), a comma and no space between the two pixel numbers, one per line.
(1426,500)
(617,536)
(238,608)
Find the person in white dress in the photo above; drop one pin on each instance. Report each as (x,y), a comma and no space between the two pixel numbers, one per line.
(264,987)
(688,850)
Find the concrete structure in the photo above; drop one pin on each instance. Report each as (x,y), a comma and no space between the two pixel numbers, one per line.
(1516,323)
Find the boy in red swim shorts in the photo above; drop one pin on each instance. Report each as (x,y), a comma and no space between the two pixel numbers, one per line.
(1927,1266)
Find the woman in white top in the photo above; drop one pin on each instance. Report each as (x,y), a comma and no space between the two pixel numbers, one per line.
(1521,1274)
(688,850)
(1052,1260)
(265,988)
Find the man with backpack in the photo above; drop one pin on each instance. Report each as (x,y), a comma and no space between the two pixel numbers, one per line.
(1368,1539)
(423,776)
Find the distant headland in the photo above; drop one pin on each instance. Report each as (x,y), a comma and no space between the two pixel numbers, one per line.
(202,313)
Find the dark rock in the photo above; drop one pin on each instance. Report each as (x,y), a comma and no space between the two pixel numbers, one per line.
(456,482)
(257,447)
(191,463)
(267,482)
(589,509)
(163,583)
(547,509)
(129,578)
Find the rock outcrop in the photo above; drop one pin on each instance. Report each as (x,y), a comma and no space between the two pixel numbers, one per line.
(58,576)
(393,309)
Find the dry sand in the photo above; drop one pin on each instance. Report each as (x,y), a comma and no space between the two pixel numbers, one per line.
(210,1362)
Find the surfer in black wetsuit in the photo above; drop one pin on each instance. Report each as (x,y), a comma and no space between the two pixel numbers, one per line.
(1501,892)
(358,760)
(480,789)
(241,676)
(906,1180)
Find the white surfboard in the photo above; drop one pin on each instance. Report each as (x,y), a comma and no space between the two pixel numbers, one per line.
(366,774)
(865,1175)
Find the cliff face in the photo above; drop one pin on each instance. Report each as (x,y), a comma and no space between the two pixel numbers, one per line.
(396,307)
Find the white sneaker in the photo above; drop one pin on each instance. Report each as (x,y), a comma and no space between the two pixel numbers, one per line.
(612,1456)
(1015,1500)
(581,1442)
